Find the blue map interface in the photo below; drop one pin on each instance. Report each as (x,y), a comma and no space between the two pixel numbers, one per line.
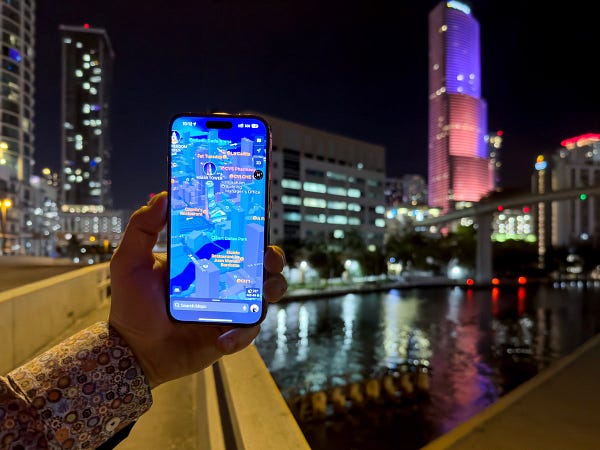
(218,197)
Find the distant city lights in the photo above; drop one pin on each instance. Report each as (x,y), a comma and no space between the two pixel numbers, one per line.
(540,163)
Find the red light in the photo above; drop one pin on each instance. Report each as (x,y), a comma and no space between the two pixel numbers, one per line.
(500,133)
(526,209)
(495,298)
(580,140)
(495,281)
(86,25)
(500,208)
(522,280)
(470,282)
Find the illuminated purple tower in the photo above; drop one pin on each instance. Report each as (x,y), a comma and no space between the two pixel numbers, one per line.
(459,171)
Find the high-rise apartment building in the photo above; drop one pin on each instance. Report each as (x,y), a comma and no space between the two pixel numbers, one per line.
(87,65)
(17,26)
(459,172)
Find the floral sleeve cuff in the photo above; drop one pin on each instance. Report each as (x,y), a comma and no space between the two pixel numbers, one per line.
(85,389)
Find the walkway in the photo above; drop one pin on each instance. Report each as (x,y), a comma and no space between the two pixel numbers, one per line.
(558,409)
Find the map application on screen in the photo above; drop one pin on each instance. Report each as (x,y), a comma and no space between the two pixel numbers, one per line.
(217,218)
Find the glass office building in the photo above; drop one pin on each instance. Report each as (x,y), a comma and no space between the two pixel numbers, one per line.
(459,171)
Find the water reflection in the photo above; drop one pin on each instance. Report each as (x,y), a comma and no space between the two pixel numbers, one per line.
(479,345)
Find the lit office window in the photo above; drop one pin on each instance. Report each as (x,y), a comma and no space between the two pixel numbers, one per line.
(355,193)
(354,207)
(317,218)
(337,205)
(380,209)
(314,187)
(380,223)
(336,190)
(336,176)
(315,202)
(292,216)
(353,221)
(337,220)
(290,184)
(291,200)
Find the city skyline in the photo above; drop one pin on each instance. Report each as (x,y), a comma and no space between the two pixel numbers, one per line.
(341,67)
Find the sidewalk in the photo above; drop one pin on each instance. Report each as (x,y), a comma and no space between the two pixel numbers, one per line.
(559,409)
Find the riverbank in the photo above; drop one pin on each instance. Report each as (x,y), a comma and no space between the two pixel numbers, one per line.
(325,289)
(328,289)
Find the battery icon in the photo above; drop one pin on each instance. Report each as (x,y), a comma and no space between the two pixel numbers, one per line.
(254,125)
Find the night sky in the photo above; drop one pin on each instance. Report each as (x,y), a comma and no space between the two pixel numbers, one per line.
(353,68)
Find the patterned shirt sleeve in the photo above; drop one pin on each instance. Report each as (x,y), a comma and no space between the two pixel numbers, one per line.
(74,396)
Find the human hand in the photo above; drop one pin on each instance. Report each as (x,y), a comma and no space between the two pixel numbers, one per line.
(167,350)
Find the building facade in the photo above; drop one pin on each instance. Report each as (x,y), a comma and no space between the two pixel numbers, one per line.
(16,121)
(459,171)
(45,220)
(87,65)
(88,222)
(494,145)
(323,185)
(409,189)
(576,165)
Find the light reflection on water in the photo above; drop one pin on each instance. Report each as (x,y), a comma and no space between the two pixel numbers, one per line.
(479,344)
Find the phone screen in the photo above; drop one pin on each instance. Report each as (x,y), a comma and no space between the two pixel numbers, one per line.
(218,218)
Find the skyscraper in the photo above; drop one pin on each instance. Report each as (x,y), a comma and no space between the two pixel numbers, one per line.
(87,63)
(459,171)
(17,26)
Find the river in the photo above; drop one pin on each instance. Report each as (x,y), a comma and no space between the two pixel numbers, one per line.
(477,344)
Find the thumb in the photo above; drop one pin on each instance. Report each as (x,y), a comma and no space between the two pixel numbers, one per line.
(142,231)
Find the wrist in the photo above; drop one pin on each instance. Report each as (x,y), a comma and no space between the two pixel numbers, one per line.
(144,365)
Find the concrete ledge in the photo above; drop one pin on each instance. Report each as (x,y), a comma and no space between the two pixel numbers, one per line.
(35,260)
(260,416)
(33,315)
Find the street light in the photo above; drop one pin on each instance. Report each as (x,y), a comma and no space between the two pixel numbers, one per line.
(5,203)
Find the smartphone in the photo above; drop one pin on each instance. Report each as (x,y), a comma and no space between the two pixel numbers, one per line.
(218,218)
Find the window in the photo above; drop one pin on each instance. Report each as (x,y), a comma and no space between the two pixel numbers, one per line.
(292,216)
(315,202)
(337,220)
(291,184)
(314,187)
(317,218)
(290,200)
(337,205)
(336,190)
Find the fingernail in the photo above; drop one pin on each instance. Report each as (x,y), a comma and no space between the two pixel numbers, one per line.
(280,252)
(153,199)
